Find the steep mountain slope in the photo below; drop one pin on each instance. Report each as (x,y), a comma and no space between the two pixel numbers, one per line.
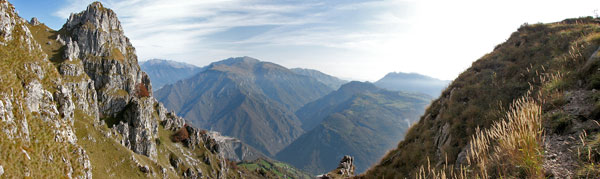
(412,82)
(331,81)
(551,72)
(245,98)
(74,104)
(36,111)
(314,112)
(235,150)
(360,120)
(163,72)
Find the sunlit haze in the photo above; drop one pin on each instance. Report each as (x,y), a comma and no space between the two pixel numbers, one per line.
(358,40)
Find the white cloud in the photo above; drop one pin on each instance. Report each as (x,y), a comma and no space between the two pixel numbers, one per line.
(358,40)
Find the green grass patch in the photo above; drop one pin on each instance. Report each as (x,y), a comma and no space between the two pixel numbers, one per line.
(108,158)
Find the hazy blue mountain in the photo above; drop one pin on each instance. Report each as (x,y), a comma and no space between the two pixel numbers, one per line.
(163,72)
(412,82)
(360,120)
(326,79)
(314,112)
(245,98)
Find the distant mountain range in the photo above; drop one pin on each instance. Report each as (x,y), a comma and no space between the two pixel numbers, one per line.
(331,81)
(247,99)
(301,116)
(412,82)
(359,119)
(163,72)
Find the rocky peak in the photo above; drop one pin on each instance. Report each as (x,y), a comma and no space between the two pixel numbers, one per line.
(98,30)
(34,21)
(7,20)
(11,24)
(344,170)
(96,37)
(346,166)
(96,45)
(95,16)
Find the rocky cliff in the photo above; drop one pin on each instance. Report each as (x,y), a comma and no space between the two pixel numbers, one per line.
(236,150)
(344,170)
(74,103)
(36,108)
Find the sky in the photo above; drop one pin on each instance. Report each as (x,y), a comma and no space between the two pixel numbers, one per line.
(350,39)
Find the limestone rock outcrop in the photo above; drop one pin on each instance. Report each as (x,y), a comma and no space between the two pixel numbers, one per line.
(36,109)
(102,69)
(64,114)
(234,149)
(346,167)
(96,37)
(141,127)
(344,170)
(34,21)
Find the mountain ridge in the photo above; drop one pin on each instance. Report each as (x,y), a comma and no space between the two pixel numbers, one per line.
(360,120)
(412,82)
(549,70)
(331,81)
(163,72)
(262,95)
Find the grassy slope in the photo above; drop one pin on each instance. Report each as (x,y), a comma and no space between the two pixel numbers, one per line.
(109,159)
(272,169)
(35,156)
(46,37)
(492,83)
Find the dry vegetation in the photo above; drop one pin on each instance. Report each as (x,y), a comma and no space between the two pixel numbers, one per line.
(508,94)
(510,148)
(28,146)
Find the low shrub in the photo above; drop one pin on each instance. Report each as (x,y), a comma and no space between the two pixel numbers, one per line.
(181,135)
(142,90)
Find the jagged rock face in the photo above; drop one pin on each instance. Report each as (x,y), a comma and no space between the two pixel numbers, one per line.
(198,137)
(346,166)
(80,86)
(95,29)
(192,174)
(104,65)
(34,21)
(7,116)
(344,170)
(7,21)
(140,127)
(100,77)
(35,104)
(96,37)
(169,120)
(234,149)
(10,23)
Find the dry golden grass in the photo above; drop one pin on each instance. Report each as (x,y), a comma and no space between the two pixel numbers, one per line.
(510,148)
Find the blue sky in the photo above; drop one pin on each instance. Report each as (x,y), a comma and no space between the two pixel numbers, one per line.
(359,40)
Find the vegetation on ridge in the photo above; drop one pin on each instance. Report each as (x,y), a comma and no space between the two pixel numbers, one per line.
(27,141)
(476,99)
